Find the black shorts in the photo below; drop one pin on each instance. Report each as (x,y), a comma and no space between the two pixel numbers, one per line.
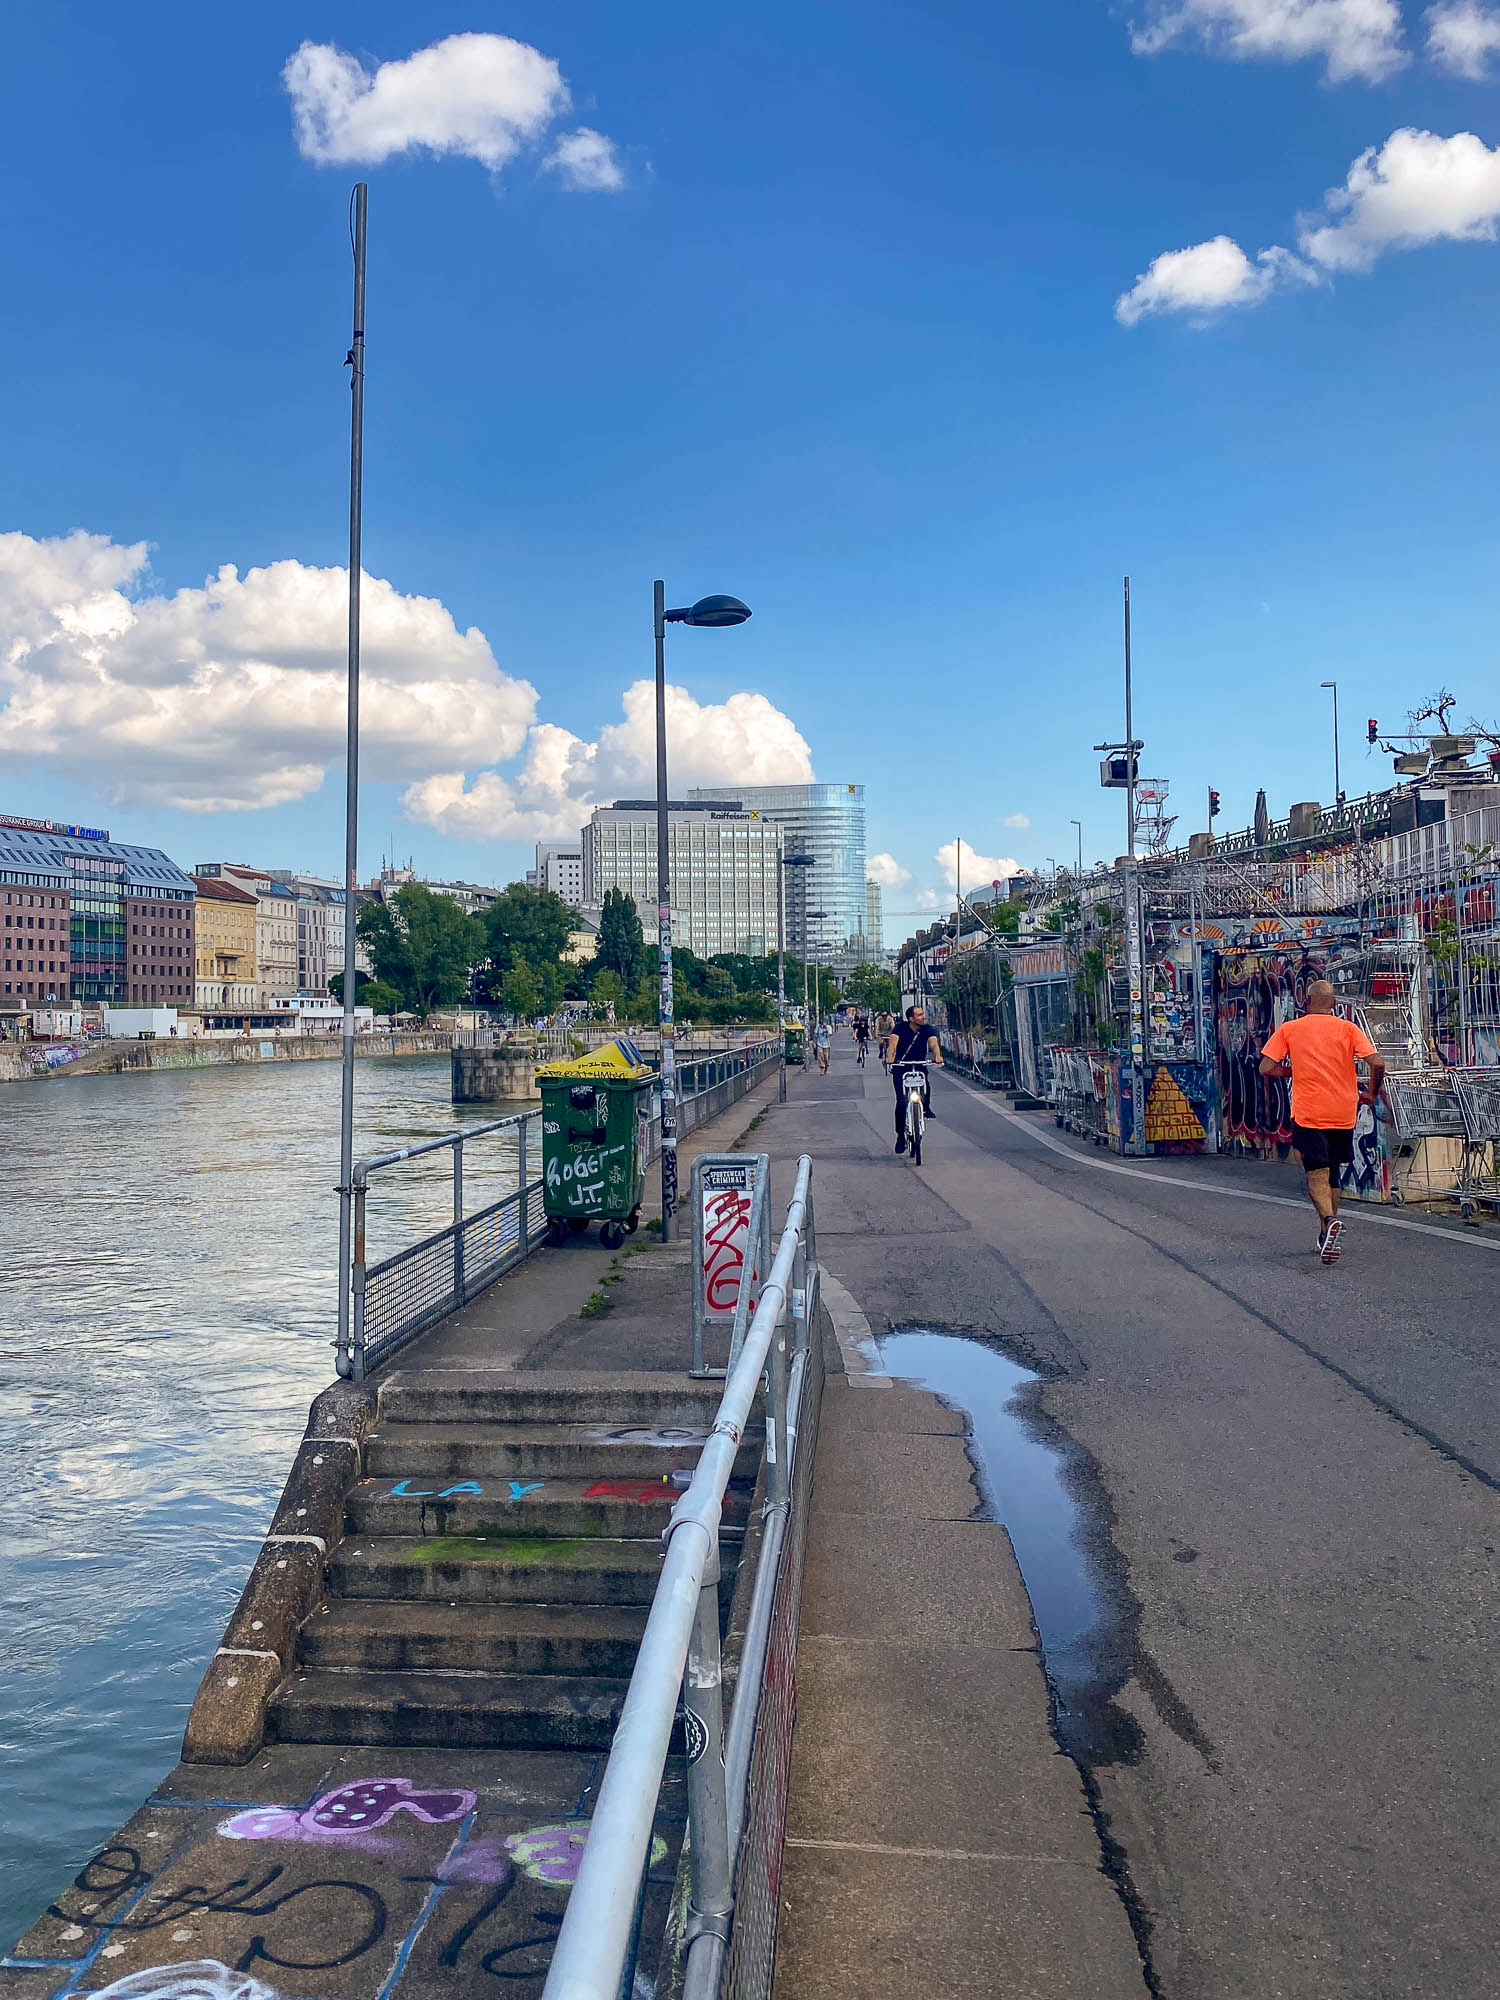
(1324,1146)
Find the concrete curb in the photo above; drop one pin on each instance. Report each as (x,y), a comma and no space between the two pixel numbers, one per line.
(227,1721)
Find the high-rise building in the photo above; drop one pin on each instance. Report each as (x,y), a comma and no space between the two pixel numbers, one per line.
(723,871)
(119,918)
(874,920)
(559,867)
(825,901)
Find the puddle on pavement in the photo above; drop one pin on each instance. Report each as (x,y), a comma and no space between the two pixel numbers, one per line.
(1028,1485)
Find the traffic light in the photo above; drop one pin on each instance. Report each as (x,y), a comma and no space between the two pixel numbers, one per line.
(1213,803)
(1373,728)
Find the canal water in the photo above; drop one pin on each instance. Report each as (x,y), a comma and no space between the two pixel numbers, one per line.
(167,1257)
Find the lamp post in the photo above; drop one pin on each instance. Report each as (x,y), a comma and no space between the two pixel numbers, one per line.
(784,861)
(1079,824)
(1338,789)
(707,611)
(347,1359)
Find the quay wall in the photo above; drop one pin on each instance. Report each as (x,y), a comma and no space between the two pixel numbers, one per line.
(23,1062)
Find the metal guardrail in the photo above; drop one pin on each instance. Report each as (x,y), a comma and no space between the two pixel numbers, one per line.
(402,1295)
(680,1655)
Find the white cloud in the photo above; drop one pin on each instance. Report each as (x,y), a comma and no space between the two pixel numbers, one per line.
(1415,189)
(887,871)
(231,697)
(484,97)
(744,739)
(1018,822)
(1208,278)
(1462,36)
(978,869)
(1354,38)
(587,162)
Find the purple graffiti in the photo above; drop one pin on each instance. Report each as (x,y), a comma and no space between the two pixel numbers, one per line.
(353,1810)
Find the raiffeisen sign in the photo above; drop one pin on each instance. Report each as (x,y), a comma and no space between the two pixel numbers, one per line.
(53,826)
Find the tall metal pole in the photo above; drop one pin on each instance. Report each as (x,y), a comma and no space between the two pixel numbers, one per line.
(664,932)
(1338,788)
(781,955)
(348,1361)
(1135,952)
(1079,824)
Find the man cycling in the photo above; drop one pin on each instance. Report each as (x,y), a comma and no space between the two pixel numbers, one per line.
(910,1045)
(862,1038)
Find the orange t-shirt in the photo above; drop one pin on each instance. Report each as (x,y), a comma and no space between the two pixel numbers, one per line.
(1321,1049)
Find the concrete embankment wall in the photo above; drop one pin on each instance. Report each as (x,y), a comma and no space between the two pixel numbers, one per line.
(23,1061)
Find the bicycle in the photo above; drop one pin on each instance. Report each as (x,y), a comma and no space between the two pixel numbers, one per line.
(914,1088)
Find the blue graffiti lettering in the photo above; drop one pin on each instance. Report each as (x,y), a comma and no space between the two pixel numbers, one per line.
(519,1489)
(403,1490)
(463,1486)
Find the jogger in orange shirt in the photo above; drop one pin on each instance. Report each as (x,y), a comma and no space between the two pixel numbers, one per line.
(1319,1053)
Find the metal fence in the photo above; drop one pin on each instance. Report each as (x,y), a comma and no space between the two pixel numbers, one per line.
(403,1294)
(679,1656)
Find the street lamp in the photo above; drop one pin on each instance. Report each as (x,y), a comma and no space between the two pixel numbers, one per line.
(784,861)
(1338,790)
(707,611)
(1079,824)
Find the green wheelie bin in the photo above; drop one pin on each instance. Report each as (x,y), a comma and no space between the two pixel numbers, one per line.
(596,1121)
(796,1042)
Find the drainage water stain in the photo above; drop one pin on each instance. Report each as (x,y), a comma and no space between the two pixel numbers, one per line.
(1023,1485)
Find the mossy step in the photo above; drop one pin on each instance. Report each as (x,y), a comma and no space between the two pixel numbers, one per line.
(626,1509)
(496,1569)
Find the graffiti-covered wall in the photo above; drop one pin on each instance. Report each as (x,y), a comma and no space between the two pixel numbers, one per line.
(1255,990)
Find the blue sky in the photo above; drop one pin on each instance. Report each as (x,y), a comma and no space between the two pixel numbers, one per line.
(842,340)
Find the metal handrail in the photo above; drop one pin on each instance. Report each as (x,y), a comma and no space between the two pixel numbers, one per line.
(680,1652)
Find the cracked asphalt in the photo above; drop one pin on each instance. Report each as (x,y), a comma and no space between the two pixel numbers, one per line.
(1290,1477)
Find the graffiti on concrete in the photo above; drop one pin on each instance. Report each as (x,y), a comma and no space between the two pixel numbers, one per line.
(643,1434)
(642,1491)
(518,1490)
(194,1979)
(352,1810)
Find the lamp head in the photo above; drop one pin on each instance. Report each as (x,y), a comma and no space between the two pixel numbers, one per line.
(710,611)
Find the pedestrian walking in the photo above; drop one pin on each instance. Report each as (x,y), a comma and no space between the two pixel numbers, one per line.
(1319,1053)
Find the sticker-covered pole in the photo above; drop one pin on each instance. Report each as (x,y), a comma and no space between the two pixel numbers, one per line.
(664,934)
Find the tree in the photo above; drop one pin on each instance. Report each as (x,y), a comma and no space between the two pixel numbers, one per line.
(872,987)
(608,990)
(421,944)
(519,994)
(533,924)
(382,999)
(622,943)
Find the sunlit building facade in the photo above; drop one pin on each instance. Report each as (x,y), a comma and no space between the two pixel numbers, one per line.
(825,901)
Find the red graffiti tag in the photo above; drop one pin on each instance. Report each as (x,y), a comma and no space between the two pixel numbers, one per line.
(643,1491)
(726,1230)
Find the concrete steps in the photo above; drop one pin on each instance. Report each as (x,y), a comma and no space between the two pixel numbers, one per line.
(385,1636)
(453,1451)
(449,1710)
(498,1558)
(625,1509)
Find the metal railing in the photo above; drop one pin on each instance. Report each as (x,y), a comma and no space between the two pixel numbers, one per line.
(403,1294)
(680,1656)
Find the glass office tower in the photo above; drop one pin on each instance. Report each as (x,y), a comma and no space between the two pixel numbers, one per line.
(825,903)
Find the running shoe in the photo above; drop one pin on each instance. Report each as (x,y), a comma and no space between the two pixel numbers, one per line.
(1330,1247)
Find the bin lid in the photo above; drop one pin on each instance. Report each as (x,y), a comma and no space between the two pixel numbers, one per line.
(619,1058)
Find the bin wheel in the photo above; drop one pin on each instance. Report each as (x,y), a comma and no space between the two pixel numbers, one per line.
(557,1231)
(1397,1198)
(1467,1210)
(633,1221)
(577,1224)
(612,1235)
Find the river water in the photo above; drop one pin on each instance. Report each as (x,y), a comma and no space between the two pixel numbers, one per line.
(167,1257)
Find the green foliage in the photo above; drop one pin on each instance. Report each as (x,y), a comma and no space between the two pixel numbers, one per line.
(421,944)
(375,993)
(520,993)
(608,990)
(622,943)
(873,988)
(533,924)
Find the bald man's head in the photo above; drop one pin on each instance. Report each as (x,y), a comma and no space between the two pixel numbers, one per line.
(1321,996)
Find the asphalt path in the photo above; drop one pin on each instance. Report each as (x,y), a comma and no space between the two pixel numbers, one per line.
(1290,1478)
